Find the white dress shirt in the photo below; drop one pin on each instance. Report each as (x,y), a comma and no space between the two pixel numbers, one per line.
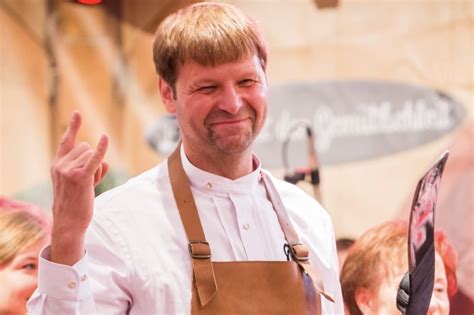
(137,259)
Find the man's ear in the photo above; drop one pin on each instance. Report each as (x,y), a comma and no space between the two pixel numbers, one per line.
(166,95)
(364,300)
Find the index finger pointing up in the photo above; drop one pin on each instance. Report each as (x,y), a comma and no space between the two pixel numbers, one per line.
(68,139)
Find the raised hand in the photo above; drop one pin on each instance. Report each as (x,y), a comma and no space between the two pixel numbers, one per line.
(76,170)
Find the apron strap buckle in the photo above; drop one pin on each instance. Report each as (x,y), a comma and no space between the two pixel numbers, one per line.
(199,249)
(299,252)
(203,270)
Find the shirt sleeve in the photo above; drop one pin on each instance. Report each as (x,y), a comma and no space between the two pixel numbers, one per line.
(61,289)
(99,283)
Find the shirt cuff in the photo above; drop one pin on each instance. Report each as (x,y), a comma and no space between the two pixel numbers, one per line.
(63,281)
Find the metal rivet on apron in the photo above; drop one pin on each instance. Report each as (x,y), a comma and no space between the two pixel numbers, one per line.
(246,226)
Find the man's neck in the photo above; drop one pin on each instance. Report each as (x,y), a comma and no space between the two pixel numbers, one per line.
(231,166)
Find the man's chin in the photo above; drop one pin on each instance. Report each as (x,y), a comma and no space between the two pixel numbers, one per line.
(233,145)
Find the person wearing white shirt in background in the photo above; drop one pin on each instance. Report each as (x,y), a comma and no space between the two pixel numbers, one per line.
(128,253)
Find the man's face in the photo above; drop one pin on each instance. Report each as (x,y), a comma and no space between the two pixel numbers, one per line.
(219,109)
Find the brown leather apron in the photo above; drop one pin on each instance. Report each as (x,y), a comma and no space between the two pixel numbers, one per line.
(245,287)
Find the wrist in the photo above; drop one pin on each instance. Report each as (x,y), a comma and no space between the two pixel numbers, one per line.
(67,247)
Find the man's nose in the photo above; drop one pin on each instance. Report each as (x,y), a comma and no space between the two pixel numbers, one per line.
(230,100)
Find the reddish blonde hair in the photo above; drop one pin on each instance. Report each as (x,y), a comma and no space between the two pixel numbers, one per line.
(450,261)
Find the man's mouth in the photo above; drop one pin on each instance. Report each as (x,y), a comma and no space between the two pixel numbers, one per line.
(228,122)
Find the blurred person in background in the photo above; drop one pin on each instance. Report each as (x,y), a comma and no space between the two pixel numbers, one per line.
(24,231)
(376,264)
(343,245)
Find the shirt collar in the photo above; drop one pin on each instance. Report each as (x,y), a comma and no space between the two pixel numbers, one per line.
(210,182)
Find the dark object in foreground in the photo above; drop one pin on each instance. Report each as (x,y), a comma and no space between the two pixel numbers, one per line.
(414,296)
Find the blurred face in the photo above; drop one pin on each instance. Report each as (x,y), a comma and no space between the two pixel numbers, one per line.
(18,280)
(439,304)
(384,301)
(342,255)
(220,109)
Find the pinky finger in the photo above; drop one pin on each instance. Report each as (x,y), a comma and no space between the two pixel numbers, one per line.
(96,159)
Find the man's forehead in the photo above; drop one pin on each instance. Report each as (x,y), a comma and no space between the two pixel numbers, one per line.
(249,59)
(244,66)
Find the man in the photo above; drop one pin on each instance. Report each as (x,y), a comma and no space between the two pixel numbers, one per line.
(136,252)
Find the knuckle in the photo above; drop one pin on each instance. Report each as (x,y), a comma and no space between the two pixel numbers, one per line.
(66,174)
(93,157)
(64,139)
(74,176)
(55,167)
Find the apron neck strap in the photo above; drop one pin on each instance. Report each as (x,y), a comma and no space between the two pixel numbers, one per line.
(198,247)
(283,218)
(184,199)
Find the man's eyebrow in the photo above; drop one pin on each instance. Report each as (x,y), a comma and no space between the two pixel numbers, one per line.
(198,84)
(251,72)
(203,81)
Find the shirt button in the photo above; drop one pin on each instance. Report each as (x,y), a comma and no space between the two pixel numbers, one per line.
(72,285)
(246,226)
(209,186)
(84,278)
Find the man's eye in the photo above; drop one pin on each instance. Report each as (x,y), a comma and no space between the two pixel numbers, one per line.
(247,82)
(206,89)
